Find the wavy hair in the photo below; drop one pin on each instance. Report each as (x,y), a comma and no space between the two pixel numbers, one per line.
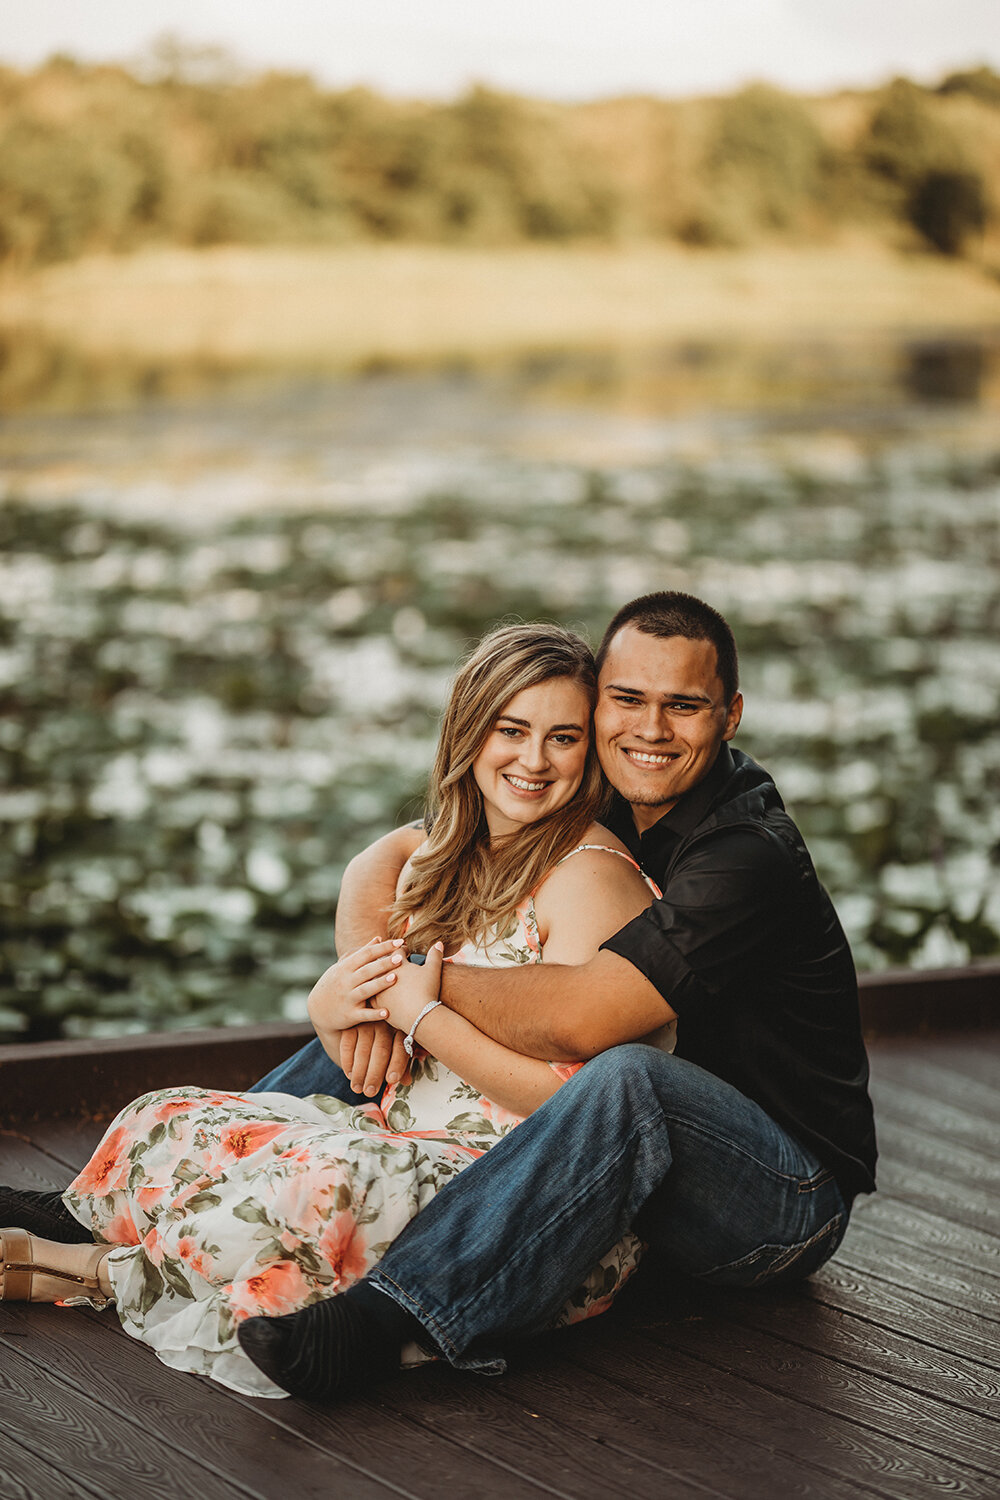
(462,885)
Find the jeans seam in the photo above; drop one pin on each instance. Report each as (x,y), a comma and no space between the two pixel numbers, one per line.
(737,1149)
(420,1311)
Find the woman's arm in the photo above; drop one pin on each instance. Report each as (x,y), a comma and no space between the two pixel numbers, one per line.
(582,902)
(518,1083)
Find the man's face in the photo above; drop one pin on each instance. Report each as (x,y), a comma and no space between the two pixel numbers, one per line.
(661,718)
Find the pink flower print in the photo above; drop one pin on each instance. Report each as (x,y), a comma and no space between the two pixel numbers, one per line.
(171,1107)
(190,1253)
(121,1230)
(108,1167)
(244,1137)
(565,1071)
(497,1115)
(343,1245)
(279,1289)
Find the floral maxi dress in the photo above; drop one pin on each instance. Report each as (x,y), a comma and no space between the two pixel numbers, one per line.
(229,1206)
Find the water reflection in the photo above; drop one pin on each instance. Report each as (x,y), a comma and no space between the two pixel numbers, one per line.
(226,626)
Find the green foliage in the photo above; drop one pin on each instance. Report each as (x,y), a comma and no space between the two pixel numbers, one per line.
(764,167)
(979,83)
(948,208)
(189,150)
(925,170)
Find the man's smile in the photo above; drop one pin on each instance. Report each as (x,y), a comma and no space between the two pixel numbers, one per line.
(647,758)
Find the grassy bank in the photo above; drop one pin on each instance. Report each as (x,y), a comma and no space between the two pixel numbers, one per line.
(345,307)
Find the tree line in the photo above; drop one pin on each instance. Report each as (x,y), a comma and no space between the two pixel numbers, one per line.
(188,151)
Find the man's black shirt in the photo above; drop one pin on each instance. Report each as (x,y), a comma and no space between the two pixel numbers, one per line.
(746,947)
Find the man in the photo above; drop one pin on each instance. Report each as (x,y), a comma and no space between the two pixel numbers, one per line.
(737,1158)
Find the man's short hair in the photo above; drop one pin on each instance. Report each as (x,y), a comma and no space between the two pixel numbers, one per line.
(668,614)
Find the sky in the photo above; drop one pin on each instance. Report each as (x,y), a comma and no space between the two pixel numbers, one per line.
(559,49)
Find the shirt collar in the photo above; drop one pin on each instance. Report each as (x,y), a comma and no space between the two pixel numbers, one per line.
(659,841)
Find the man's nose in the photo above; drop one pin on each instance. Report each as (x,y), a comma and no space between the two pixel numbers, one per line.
(655,724)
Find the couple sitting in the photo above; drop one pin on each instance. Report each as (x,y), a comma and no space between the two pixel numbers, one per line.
(234,1219)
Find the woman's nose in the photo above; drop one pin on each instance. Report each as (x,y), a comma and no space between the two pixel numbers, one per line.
(534,756)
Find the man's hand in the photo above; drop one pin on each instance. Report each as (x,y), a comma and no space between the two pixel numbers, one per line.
(372,1055)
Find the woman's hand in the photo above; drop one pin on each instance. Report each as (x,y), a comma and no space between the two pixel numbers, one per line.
(416,985)
(342,997)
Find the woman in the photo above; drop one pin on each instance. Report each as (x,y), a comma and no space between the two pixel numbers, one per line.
(220,1207)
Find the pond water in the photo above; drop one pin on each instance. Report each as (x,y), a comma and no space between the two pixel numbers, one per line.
(228,617)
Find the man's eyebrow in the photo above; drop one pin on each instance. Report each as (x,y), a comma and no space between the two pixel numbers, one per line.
(620,687)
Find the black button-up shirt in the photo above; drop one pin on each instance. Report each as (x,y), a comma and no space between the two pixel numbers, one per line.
(744,944)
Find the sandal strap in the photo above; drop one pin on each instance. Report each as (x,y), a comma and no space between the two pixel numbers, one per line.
(17,1266)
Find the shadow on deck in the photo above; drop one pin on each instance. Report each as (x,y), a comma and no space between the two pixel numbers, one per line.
(878,1377)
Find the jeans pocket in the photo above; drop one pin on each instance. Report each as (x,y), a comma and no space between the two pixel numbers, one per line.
(785,1262)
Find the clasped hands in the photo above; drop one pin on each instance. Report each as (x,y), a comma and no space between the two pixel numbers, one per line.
(364,1005)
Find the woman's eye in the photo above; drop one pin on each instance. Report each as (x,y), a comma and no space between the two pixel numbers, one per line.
(509,731)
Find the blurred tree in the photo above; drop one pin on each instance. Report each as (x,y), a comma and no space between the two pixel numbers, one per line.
(926,173)
(980,83)
(764,167)
(949,208)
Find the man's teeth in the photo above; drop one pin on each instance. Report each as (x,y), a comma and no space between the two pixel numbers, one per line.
(649,760)
(526,786)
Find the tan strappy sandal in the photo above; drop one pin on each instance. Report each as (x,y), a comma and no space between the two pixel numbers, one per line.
(19,1268)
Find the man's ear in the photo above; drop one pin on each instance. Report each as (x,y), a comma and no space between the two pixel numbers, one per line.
(733,716)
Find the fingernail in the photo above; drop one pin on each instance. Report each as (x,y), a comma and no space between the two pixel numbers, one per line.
(397,958)
(439,946)
(392,1078)
(397,942)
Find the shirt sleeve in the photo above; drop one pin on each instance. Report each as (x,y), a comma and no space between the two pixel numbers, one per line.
(727,900)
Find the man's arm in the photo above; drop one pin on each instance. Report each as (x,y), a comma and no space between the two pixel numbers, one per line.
(559,1012)
(373,1053)
(369,888)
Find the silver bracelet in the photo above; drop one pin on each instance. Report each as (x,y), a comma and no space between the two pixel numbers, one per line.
(408,1040)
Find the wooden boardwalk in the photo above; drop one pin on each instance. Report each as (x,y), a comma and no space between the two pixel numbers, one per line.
(879,1377)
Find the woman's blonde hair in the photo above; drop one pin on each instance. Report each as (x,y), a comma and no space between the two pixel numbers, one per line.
(461,885)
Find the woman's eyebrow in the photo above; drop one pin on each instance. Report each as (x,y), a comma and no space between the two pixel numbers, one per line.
(526,724)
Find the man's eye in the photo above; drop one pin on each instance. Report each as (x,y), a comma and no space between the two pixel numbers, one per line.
(626,701)
(680,707)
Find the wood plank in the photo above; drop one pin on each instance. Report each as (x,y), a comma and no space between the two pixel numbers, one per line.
(821,1382)
(921,1178)
(234,1447)
(823,1318)
(68,1141)
(933,1280)
(915,1110)
(79,1433)
(24,1165)
(431,1467)
(467,1409)
(972,1249)
(973,1058)
(25,1476)
(935,1075)
(799,1427)
(654,1427)
(336,1444)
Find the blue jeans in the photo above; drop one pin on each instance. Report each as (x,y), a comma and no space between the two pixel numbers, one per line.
(636,1139)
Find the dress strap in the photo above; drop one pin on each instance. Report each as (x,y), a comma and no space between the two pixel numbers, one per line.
(607,849)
